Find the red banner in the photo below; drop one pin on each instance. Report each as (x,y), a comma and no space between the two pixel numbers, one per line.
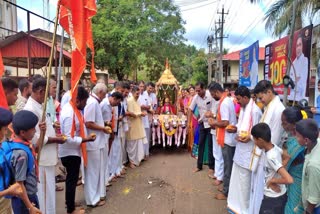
(276,55)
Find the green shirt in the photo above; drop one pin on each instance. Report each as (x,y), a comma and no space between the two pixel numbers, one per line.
(311,177)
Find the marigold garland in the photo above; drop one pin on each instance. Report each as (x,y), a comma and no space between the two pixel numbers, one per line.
(168,132)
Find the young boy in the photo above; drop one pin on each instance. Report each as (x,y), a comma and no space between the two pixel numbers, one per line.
(307,134)
(276,176)
(15,189)
(24,123)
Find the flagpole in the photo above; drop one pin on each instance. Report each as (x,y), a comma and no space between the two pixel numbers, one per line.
(60,68)
(43,119)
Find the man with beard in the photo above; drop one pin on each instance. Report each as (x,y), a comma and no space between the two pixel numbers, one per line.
(226,116)
(25,88)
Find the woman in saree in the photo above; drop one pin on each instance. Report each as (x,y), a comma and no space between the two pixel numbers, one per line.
(293,159)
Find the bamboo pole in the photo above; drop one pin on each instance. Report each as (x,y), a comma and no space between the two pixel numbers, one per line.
(43,119)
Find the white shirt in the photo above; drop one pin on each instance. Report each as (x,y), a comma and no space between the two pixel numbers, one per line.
(65,98)
(49,156)
(204,104)
(272,164)
(72,146)
(243,153)
(214,110)
(106,109)
(228,113)
(301,67)
(92,113)
(146,99)
(254,73)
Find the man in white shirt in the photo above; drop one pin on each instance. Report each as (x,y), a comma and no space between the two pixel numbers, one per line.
(203,101)
(49,156)
(271,116)
(109,109)
(94,187)
(240,182)
(147,102)
(299,72)
(25,89)
(226,115)
(70,152)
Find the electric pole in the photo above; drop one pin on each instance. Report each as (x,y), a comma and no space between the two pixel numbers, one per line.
(210,42)
(221,24)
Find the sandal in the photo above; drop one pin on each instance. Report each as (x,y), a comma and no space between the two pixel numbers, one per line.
(59,189)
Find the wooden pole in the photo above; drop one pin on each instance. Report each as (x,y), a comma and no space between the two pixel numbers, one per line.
(43,119)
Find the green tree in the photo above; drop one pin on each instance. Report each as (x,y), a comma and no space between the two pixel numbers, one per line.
(279,15)
(123,30)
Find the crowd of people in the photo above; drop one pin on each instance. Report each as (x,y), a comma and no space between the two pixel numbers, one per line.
(262,157)
(116,136)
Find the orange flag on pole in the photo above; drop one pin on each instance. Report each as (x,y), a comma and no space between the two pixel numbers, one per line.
(75,18)
(3,100)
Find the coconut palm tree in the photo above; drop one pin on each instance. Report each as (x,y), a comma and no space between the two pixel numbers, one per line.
(279,14)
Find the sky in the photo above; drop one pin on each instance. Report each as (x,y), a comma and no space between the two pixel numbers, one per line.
(244,23)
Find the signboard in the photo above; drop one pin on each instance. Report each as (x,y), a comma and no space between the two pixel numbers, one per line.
(276,55)
(248,68)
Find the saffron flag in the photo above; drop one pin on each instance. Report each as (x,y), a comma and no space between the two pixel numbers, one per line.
(3,101)
(75,18)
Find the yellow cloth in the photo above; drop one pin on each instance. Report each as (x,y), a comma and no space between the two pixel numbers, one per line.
(136,128)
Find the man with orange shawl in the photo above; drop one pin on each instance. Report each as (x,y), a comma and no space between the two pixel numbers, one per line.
(226,116)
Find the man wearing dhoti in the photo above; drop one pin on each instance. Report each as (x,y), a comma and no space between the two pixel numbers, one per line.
(136,136)
(94,187)
(49,156)
(240,182)
(273,109)
(115,154)
(147,103)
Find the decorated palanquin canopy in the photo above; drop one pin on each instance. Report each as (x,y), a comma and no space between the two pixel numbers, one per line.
(167,77)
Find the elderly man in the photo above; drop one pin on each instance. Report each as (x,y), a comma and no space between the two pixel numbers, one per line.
(94,187)
(49,156)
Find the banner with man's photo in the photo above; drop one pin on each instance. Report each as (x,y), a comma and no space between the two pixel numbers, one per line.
(276,55)
(248,68)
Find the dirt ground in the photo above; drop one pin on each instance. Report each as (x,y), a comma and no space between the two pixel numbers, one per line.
(165,184)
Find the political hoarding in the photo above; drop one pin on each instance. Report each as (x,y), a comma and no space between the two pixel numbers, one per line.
(248,68)
(276,55)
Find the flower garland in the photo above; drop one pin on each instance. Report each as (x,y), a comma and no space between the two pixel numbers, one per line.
(168,132)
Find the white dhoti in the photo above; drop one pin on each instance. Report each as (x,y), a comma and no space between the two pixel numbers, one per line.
(106,164)
(257,187)
(146,145)
(47,189)
(82,170)
(123,143)
(218,159)
(115,158)
(239,190)
(135,150)
(94,187)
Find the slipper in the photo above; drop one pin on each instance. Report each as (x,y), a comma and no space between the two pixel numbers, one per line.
(59,189)
(60,178)
(220,196)
(79,182)
(99,204)
(220,189)
(212,176)
(217,182)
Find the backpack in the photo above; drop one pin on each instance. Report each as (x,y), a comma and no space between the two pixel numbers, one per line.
(6,169)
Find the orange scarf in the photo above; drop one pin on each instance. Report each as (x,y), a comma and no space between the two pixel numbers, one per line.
(82,134)
(220,130)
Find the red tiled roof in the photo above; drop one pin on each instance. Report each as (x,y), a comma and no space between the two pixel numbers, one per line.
(234,56)
(111,81)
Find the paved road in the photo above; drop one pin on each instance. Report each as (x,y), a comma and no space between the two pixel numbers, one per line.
(165,184)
